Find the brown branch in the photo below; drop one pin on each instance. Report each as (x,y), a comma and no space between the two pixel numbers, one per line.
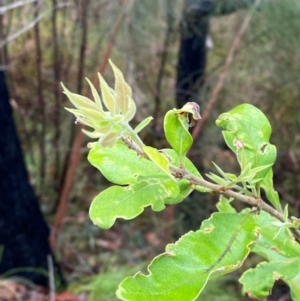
(224,72)
(75,150)
(259,203)
(218,189)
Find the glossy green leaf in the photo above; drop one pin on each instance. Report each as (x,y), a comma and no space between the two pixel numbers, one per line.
(258,282)
(121,165)
(130,201)
(177,133)
(219,247)
(143,124)
(247,132)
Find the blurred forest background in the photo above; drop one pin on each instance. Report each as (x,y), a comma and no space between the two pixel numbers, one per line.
(43,43)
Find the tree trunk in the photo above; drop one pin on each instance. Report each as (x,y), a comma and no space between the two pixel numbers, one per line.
(23,231)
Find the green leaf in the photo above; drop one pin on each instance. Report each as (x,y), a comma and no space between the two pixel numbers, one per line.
(247,132)
(94,115)
(191,168)
(185,189)
(95,95)
(80,117)
(258,282)
(121,165)
(122,90)
(79,101)
(294,285)
(107,97)
(219,247)
(158,159)
(271,193)
(143,124)
(218,179)
(131,110)
(130,201)
(109,140)
(176,131)
(274,244)
(224,205)
(93,135)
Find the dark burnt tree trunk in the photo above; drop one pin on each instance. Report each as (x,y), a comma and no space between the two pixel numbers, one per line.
(23,231)
(192,53)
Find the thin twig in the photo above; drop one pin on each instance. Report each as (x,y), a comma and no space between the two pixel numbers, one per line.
(218,189)
(232,194)
(6,8)
(224,72)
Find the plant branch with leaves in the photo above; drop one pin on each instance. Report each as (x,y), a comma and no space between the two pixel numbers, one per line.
(145,176)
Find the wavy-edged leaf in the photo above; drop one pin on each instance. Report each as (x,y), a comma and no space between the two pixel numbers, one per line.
(258,282)
(176,131)
(121,165)
(122,89)
(219,247)
(247,132)
(130,201)
(274,244)
(143,124)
